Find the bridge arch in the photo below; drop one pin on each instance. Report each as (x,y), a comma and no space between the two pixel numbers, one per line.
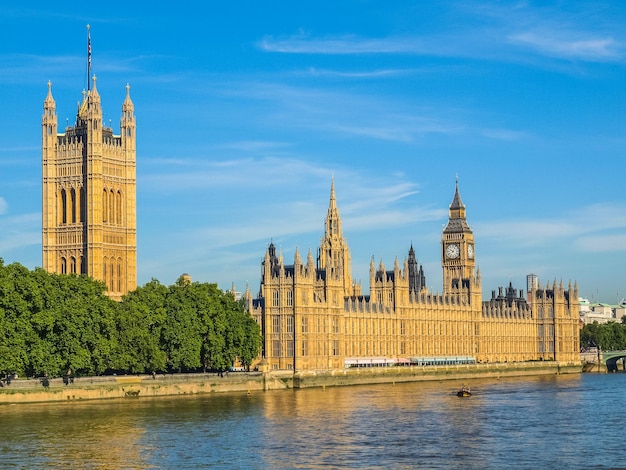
(613,359)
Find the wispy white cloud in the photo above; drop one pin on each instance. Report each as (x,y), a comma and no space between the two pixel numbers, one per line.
(350,113)
(20,231)
(4,206)
(365,204)
(602,243)
(255,145)
(503,33)
(569,45)
(591,228)
(315,72)
(340,45)
(503,134)
(244,173)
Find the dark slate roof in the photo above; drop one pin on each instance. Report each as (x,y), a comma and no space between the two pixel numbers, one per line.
(457,225)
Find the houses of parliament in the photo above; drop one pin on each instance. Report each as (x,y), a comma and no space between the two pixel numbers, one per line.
(314,316)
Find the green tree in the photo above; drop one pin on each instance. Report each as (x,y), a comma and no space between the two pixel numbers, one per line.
(52,323)
(608,336)
(16,286)
(139,328)
(251,342)
(77,324)
(181,336)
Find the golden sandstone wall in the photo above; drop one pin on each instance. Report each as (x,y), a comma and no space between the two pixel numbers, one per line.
(313,316)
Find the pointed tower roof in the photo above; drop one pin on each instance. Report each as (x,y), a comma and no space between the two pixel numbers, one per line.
(457,203)
(94,90)
(333,219)
(128,104)
(332,207)
(49,101)
(457,222)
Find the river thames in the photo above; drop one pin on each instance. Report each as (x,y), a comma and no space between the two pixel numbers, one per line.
(567,421)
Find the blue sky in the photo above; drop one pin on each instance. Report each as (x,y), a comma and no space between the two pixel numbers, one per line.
(246,111)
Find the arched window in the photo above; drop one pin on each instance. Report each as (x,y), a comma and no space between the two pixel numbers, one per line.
(63,206)
(63,265)
(73,265)
(275,298)
(105,272)
(289,298)
(105,206)
(112,277)
(118,207)
(82,207)
(119,274)
(73,205)
(111,207)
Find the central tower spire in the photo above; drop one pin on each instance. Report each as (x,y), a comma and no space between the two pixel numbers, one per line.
(334,255)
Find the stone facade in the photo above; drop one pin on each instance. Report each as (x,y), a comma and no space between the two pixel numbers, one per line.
(314,316)
(89,194)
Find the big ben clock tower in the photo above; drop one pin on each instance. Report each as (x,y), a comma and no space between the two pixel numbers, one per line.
(458,251)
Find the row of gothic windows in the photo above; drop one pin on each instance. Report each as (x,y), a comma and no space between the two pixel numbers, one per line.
(71,265)
(70,207)
(276,301)
(379,296)
(277,348)
(111,207)
(113,273)
(112,270)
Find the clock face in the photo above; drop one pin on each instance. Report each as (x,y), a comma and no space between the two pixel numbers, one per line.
(452,251)
(470,251)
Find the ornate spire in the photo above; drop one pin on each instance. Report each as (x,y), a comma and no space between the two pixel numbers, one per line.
(49,101)
(457,203)
(333,220)
(127,101)
(94,90)
(457,222)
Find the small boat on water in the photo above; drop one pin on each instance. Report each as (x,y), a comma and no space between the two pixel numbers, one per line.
(464,392)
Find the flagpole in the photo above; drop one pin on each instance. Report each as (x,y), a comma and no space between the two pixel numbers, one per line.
(88,57)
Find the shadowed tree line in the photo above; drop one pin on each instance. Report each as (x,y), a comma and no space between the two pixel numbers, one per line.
(52,323)
(609,336)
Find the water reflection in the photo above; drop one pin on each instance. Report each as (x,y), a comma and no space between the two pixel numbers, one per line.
(549,422)
(70,435)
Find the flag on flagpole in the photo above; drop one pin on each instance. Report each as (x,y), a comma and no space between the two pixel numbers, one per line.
(88,57)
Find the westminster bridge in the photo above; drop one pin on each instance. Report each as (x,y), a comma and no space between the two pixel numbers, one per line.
(604,361)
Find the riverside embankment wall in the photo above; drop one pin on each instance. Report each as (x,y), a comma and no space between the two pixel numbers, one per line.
(131,386)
